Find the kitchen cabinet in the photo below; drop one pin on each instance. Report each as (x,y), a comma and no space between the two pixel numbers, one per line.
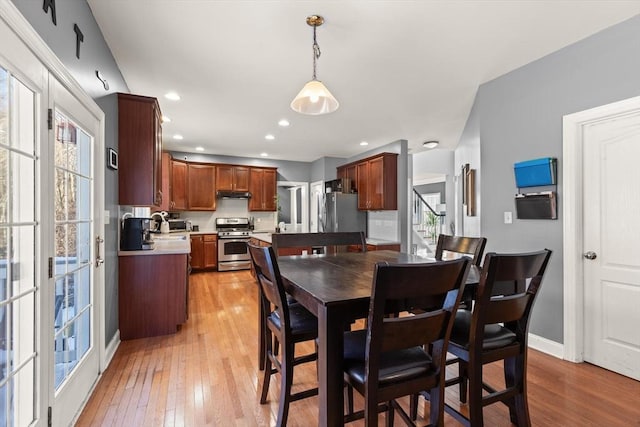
(152,294)
(232,178)
(377,182)
(262,185)
(201,184)
(179,171)
(349,172)
(204,251)
(165,204)
(139,151)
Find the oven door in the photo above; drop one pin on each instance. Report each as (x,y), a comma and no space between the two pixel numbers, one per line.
(233,254)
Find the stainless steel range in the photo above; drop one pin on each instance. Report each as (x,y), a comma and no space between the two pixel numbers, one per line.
(233,236)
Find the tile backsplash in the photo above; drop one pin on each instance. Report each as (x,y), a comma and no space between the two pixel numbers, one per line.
(230,208)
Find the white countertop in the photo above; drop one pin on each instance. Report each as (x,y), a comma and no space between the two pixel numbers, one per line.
(165,244)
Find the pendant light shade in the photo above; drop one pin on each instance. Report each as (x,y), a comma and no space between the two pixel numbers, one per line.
(315,98)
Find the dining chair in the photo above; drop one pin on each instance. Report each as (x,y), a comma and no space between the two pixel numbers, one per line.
(461,245)
(400,356)
(332,241)
(497,329)
(286,324)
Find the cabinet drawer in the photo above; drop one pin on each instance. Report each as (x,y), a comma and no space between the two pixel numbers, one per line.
(210,237)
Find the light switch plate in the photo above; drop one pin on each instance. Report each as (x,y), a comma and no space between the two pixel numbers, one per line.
(508,218)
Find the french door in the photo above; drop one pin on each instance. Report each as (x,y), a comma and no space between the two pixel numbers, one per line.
(51,197)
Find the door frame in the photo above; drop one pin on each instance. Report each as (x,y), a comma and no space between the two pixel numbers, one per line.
(572,225)
(27,34)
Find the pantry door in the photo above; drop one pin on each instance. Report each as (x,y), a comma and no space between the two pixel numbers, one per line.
(76,266)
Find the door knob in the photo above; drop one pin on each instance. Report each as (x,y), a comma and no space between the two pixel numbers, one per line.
(590,255)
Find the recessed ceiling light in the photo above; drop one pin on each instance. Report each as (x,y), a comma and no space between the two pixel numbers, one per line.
(178,137)
(172,96)
(284,123)
(269,137)
(430,144)
(199,148)
(264,154)
(364,143)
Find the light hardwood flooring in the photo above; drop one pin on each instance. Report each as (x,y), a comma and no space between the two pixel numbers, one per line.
(206,374)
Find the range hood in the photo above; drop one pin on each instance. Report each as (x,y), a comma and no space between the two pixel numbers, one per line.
(230,194)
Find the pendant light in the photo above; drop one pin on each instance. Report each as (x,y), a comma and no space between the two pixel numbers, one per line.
(314,98)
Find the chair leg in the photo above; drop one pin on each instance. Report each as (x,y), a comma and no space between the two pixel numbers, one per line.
(262,331)
(390,414)
(436,406)
(413,406)
(463,374)
(286,379)
(475,394)
(348,399)
(515,376)
(268,370)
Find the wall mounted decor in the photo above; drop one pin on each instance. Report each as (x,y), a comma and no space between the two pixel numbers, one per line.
(112,158)
(469,189)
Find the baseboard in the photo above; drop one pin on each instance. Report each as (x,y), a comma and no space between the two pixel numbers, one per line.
(547,346)
(110,351)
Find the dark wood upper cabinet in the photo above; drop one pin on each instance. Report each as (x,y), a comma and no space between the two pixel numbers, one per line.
(165,205)
(349,172)
(262,185)
(139,151)
(232,178)
(179,171)
(201,184)
(376,180)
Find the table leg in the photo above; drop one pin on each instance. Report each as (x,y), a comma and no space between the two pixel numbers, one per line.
(330,358)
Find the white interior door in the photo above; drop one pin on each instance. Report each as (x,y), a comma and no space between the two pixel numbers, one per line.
(76,238)
(317,191)
(611,234)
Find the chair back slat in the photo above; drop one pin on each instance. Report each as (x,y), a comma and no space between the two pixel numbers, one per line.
(461,245)
(411,331)
(506,308)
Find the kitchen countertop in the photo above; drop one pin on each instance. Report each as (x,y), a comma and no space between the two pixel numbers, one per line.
(165,244)
(265,236)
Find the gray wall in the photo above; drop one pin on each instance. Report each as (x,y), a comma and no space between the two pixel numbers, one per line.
(94,55)
(519,117)
(438,187)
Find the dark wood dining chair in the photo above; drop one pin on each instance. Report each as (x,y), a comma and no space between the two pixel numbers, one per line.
(308,241)
(400,356)
(497,329)
(286,324)
(461,245)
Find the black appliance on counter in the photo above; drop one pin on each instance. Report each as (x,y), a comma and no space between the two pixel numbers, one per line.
(136,234)
(233,236)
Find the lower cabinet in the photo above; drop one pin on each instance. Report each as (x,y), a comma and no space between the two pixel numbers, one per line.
(152,294)
(204,251)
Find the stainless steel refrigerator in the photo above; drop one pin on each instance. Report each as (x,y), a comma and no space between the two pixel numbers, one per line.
(339,212)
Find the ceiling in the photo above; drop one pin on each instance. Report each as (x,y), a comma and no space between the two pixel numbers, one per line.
(400,69)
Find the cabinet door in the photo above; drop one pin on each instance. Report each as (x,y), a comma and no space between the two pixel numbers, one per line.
(269,190)
(178,185)
(255,187)
(197,252)
(224,177)
(363,190)
(376,183)
(210,251)
(140,150)
(201,187)
(241,178)
(166,182)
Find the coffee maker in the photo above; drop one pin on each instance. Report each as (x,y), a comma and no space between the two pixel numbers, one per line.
(136,234)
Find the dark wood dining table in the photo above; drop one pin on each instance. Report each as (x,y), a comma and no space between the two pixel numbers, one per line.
(337,289)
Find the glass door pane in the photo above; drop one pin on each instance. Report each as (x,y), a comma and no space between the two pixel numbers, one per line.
(18,252)
(72,262)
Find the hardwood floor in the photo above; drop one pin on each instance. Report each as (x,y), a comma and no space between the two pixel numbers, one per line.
(206,374)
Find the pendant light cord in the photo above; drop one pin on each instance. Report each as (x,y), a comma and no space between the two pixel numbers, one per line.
(316,52)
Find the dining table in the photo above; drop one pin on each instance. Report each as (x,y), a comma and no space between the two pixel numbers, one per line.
(337,289)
